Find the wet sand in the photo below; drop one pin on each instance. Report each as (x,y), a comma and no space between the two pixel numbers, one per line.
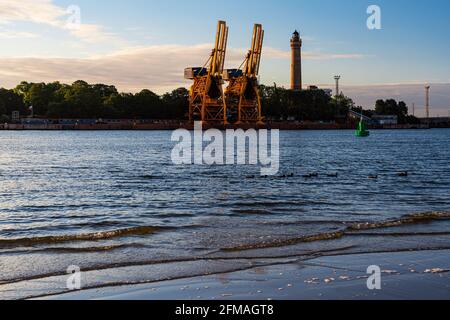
(405,275)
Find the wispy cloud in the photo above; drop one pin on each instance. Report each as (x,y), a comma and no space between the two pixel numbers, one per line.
(8,34)
(332,56)
(160,68)
(47,13)
(93,33)
(36,11)
(156,67)
(311,55)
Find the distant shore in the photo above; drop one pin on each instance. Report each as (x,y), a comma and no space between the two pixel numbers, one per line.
(404,275)
(173,125)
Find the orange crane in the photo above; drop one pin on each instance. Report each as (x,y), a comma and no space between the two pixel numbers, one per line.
(242,94)
(206,98)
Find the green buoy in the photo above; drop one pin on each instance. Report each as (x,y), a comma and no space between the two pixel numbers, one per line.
(361,131)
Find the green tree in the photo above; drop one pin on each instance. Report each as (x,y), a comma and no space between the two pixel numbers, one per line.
(121,105)
(38,95)
(2,108)
(23,90)
(176,104)
(305,105)
(391,107)
(275,101)
(83,101)
(11,101)
(4,119)
(148,105)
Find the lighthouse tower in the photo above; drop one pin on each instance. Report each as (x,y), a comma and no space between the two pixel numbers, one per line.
(296,63)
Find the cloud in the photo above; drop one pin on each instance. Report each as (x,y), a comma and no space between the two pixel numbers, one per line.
(310,55)
(36,11)
(7,34)
(331,56)
(46,13)
(160,68)
(156,67)
(93,33)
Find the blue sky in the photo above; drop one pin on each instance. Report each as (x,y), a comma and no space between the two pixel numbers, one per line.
(147,43)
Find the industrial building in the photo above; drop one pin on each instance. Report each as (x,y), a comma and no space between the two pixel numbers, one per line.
(385,119)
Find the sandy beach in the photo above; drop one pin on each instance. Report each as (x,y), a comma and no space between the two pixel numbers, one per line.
(405,275)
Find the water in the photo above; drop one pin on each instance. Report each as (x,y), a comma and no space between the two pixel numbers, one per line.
(106,200)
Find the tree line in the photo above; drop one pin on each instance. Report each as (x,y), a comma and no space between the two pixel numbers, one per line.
(86,101)
(82,100)
(391,107)
(306,105)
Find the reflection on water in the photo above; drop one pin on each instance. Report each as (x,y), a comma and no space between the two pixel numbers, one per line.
(108,199)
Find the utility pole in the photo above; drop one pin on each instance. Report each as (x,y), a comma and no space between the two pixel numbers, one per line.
(414,109)
(337,78)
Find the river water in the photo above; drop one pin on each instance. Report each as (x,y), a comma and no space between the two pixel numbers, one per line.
(113,200)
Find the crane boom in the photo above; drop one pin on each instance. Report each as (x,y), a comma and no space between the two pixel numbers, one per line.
(254,55)
(219,52)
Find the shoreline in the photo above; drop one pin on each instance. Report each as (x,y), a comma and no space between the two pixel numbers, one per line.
(404,275)
(175,126)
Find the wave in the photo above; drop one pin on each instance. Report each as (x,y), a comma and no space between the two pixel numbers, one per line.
(59,227)
(405,220)
(275,203)
(179,259)
(399,234)
(150,177)
(103,235)
(78,249)
(286,242)
(349,230)
(251,212)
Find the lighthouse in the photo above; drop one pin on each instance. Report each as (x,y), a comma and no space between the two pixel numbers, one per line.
(296,62)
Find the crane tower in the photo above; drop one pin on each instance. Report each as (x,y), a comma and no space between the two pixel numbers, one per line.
(242,94)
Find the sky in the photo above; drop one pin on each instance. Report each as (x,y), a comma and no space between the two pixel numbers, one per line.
(147,44)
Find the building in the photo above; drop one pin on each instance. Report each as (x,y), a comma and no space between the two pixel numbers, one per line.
(329,92)
(15,117)
(437,122)
(296,61)
(385,119)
